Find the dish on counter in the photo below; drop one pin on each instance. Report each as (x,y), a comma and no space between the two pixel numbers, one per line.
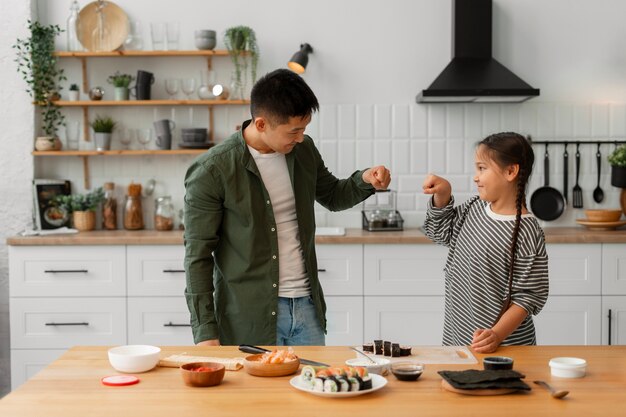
(275,363)
(381,367)
(601,225)
(134,358)
(202,374)
(377,383)
(407,371)
(565,367)
(497,363)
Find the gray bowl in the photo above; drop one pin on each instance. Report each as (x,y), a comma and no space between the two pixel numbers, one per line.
(204,34)
(205,44)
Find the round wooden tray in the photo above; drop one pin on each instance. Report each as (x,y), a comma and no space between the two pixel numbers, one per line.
(495,391)
(115,21)
(601,225)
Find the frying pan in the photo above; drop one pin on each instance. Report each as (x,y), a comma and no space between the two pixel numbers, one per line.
(547,203)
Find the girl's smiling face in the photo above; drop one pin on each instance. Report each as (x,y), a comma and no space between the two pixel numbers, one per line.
(494,182)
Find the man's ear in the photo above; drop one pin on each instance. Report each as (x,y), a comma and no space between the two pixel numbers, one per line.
(260,123)
(511,172)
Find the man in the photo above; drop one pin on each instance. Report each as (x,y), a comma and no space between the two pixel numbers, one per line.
(250,224)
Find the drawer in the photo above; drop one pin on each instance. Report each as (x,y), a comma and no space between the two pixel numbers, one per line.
(67,271)
(340,269)
(160,321)
(575,269)
(404,269)
(156,270)
(26,363)
(60,323)
(613,269)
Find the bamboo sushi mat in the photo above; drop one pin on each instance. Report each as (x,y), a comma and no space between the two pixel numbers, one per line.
(434,354)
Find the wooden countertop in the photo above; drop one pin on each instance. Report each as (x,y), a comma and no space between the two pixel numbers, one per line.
(358,236)
(71,387)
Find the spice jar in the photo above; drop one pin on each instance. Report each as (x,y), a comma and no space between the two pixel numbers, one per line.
(109,208)
(133,212)
(164,213)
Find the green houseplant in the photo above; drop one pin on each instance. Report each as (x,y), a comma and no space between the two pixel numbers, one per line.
(103,129)
(617,159)
(74,92)
(37,65)
(242,47)
(83,207)
(121,83)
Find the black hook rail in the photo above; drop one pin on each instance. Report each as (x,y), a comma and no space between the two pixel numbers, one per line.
(577,142)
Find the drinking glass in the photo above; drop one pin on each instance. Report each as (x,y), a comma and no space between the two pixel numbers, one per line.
(144,136)
(126,137)
(173,33)
(188,86)
(134,41)
(72,131)
(157,32)
(171,86)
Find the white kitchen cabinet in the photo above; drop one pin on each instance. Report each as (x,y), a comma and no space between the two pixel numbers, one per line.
(614,329)
(404,320)
(614,269)
(404,269)
(570,320)
(159,321)
(154,270)
(340,269)
(25,363)
(575,269)
(344,317)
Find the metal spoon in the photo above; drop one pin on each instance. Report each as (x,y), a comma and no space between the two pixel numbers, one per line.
(598,193)
(555,394)
(363,354)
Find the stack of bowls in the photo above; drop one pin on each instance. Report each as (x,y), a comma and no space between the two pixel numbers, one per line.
(205,39)
(194,135)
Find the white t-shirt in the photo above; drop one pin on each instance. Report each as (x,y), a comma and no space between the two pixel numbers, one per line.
(293,280)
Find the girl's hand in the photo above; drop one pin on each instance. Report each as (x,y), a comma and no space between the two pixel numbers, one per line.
(485,341)
(440,188)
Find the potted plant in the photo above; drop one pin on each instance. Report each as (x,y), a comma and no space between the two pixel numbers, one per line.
(83,208)
(242,47)
(618,172)
(103,129)
(74,92)
(121,83)
(37,65)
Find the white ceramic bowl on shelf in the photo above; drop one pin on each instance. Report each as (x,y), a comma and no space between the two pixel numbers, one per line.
(134,358)
(568,367)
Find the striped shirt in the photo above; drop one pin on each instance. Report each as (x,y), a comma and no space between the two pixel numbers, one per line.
(477,269)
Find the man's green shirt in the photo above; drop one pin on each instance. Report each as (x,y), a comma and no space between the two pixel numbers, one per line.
(231,243)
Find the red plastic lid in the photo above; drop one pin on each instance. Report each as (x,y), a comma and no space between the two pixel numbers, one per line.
(120,380)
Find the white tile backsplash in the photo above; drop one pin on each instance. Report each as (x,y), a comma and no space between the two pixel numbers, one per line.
(437,121)
(347,121)
(400,119)
(365,121)
(382,121)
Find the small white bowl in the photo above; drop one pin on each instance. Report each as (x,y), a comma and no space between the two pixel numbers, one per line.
(568,367)
(381,367)
(134,358)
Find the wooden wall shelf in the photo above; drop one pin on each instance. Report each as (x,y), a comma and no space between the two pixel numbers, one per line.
(109,103)
(87,54)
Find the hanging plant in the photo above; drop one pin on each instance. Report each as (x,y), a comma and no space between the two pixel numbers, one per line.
(240,41)
(37,65)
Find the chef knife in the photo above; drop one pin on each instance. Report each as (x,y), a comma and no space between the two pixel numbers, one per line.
(256,349)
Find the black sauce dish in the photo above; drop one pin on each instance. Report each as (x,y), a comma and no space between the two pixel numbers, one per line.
(497,363)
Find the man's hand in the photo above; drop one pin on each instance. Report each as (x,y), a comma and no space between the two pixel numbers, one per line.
(212,342)
(378,176)
(440,188)
(485,341)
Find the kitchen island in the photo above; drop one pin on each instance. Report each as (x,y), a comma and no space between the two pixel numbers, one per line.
(70,386)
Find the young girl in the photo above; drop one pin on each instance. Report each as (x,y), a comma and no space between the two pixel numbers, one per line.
(496,274)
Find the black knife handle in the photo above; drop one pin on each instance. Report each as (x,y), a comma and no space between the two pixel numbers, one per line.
(565,172)
(252,349)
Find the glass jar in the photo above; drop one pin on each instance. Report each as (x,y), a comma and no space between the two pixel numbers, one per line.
(109,208)
(133,211)
(164,213)
(72,26)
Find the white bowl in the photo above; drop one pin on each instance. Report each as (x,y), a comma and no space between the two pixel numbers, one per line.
(134,358)
(568,367)
(381,367)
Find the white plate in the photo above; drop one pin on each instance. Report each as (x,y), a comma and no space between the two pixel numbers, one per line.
(330,231)
(377,383)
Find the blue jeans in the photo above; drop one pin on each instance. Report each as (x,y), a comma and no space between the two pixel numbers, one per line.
(297,323)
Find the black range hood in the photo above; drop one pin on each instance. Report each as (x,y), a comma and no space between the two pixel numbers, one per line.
(473,75)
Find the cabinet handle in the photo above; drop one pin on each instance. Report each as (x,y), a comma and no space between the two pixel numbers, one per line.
(610,326)
(84,323)
(170,324)
(66,271)
(174,271)
(321,270)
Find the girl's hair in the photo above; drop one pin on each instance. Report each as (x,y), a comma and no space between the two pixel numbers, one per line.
(505,149)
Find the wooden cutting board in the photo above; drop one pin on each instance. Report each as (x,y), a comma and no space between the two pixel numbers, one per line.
(444,355)
(495,391)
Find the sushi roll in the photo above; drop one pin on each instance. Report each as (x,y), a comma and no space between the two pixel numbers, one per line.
(318,384)
(308,374)
(366,384)
(387,348)
(368,347)
(405,350)
(344,383)
(355,385)
(378,347)
(331,384)
(395,350)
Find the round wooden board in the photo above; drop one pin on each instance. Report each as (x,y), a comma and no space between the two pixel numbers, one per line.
(495,391)
(115,20)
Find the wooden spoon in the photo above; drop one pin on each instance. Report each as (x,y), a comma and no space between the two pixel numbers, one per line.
(555,394)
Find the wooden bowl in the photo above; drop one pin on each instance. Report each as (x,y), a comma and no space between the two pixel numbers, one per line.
(603,215)
(208,378)
(252,366)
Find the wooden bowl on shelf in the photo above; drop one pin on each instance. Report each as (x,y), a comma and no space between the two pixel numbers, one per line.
(253,366)
(603,215)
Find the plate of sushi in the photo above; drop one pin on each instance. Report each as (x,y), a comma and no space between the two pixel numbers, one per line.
(337,382)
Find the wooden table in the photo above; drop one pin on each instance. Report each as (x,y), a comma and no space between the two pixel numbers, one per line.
(71,386)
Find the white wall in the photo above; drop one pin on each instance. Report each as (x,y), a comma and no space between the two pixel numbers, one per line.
(370,60)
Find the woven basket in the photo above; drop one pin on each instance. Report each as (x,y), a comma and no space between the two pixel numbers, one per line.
(84,220)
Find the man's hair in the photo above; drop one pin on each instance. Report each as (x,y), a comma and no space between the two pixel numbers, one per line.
(280,95)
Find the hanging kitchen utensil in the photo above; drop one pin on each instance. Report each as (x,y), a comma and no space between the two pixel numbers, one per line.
(546,202)
(577,192)
(565,172)
(598,193)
